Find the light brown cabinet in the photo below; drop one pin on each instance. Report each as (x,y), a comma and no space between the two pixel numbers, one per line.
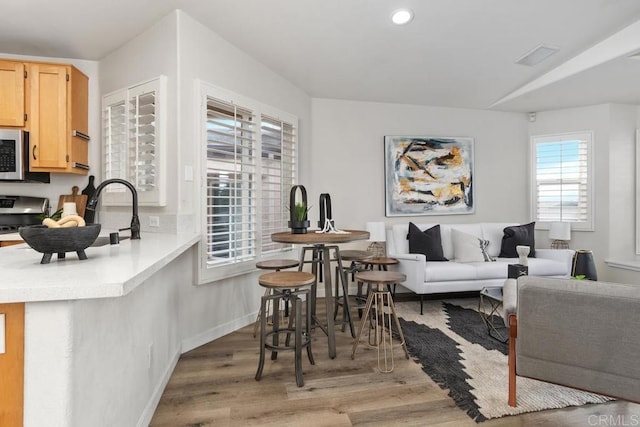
(12,365)
(51,101)
(58,118)
(12,91)
(4,243)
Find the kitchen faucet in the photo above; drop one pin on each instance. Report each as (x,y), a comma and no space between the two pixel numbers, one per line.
(90,210)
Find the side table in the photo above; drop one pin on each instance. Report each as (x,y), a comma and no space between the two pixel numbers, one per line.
(490,302)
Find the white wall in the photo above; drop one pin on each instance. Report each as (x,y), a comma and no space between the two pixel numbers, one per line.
(150,54)
(62,183)
(214,309)
(614,180)
(348,162)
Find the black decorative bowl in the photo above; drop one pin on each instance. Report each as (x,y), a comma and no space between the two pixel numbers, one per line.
(59,240)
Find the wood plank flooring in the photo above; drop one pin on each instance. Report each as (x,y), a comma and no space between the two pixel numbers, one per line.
(214,385)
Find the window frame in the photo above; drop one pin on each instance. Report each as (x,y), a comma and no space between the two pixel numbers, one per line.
(208,273)
(588,137)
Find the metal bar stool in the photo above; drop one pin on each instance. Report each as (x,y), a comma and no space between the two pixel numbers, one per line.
(381,312)
(288,285)
(277,265)
(355,257)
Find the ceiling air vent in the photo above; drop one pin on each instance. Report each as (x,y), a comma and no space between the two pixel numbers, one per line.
(537,55)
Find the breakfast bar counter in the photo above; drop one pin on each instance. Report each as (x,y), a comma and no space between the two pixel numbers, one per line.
(109,271)
(93,335)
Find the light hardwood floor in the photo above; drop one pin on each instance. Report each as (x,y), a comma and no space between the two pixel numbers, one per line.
(214,385)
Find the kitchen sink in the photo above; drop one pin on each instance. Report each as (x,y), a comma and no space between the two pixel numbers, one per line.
(104,240)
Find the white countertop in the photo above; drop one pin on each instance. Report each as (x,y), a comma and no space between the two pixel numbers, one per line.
(110,270)
(10,237)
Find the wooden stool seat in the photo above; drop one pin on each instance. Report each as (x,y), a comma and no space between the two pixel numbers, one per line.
(353,255)
(277,264)
(286,279)
(381,262)
(380,313)
(381,277)
(288,286)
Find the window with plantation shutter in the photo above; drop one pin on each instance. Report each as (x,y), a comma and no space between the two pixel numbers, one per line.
(249,169)
(134,143)
(562,179)
(278,171)
(231,183)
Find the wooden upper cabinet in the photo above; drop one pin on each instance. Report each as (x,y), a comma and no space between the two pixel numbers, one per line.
(12,91)
(57,118)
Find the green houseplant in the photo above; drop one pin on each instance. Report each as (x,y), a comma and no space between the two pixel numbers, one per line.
(298,221)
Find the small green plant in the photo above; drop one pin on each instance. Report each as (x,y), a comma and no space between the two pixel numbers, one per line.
(300,211)
(579,277)
(55,216)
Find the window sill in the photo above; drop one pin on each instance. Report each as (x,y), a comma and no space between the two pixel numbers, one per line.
(625,264)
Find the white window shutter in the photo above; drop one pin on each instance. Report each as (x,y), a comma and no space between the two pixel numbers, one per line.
(144,161)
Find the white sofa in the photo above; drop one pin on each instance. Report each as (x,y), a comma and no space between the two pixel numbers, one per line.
(431,277)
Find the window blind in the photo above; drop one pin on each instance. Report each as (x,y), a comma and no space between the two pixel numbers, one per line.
(115,138)
(142,140)
(278,172)
(562,189)
(231,183)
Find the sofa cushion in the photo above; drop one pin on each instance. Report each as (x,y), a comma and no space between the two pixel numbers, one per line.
(518,235)
(449,271)
(427,242)
(466,247)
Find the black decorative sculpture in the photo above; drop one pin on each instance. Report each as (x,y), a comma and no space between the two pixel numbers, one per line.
(325,211)
(298,221)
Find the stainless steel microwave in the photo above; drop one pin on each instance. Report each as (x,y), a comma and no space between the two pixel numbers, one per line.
(14,160)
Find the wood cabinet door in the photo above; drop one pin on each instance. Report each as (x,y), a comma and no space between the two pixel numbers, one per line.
(11,93)
(12,365)
(48,139)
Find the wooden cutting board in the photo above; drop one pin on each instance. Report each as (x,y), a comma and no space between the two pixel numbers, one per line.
(79,199)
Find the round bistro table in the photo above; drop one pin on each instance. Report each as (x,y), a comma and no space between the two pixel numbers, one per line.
(323,243)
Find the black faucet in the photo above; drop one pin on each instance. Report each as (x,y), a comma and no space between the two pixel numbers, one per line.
(90,210)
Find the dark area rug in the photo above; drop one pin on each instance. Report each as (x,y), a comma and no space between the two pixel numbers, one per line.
(451,343)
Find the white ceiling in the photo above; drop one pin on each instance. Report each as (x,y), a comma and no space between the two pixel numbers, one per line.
(456,53)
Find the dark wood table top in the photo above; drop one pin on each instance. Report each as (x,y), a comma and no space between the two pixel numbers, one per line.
(313,238)
(381,277)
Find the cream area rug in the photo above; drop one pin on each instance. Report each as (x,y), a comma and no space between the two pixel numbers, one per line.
(451,343)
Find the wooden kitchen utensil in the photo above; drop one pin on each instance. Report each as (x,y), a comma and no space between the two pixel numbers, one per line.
(79,199)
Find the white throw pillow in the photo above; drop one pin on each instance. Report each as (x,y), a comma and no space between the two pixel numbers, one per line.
(466,247)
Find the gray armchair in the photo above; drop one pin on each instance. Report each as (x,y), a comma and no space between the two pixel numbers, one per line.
(576,333)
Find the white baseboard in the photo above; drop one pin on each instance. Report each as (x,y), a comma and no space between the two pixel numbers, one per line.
(217,332)
(152,404)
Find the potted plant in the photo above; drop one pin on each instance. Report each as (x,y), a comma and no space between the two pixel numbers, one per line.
(298,221)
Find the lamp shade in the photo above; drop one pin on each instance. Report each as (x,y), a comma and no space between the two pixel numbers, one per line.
(560,231)
(377,232)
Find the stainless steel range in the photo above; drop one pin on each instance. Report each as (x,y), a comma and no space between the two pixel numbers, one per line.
(18,211)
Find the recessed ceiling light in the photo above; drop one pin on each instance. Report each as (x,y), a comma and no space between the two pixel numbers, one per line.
(402,16)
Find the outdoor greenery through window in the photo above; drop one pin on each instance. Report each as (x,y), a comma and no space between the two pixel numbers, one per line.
(250,167)
(562,179)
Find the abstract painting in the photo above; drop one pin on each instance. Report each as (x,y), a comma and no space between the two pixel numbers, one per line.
(428,175)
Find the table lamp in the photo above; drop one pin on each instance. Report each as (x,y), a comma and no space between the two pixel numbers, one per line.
(377,237)
(560,234)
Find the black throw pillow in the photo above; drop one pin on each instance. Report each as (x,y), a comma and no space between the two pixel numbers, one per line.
(518,235)
(426,242)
